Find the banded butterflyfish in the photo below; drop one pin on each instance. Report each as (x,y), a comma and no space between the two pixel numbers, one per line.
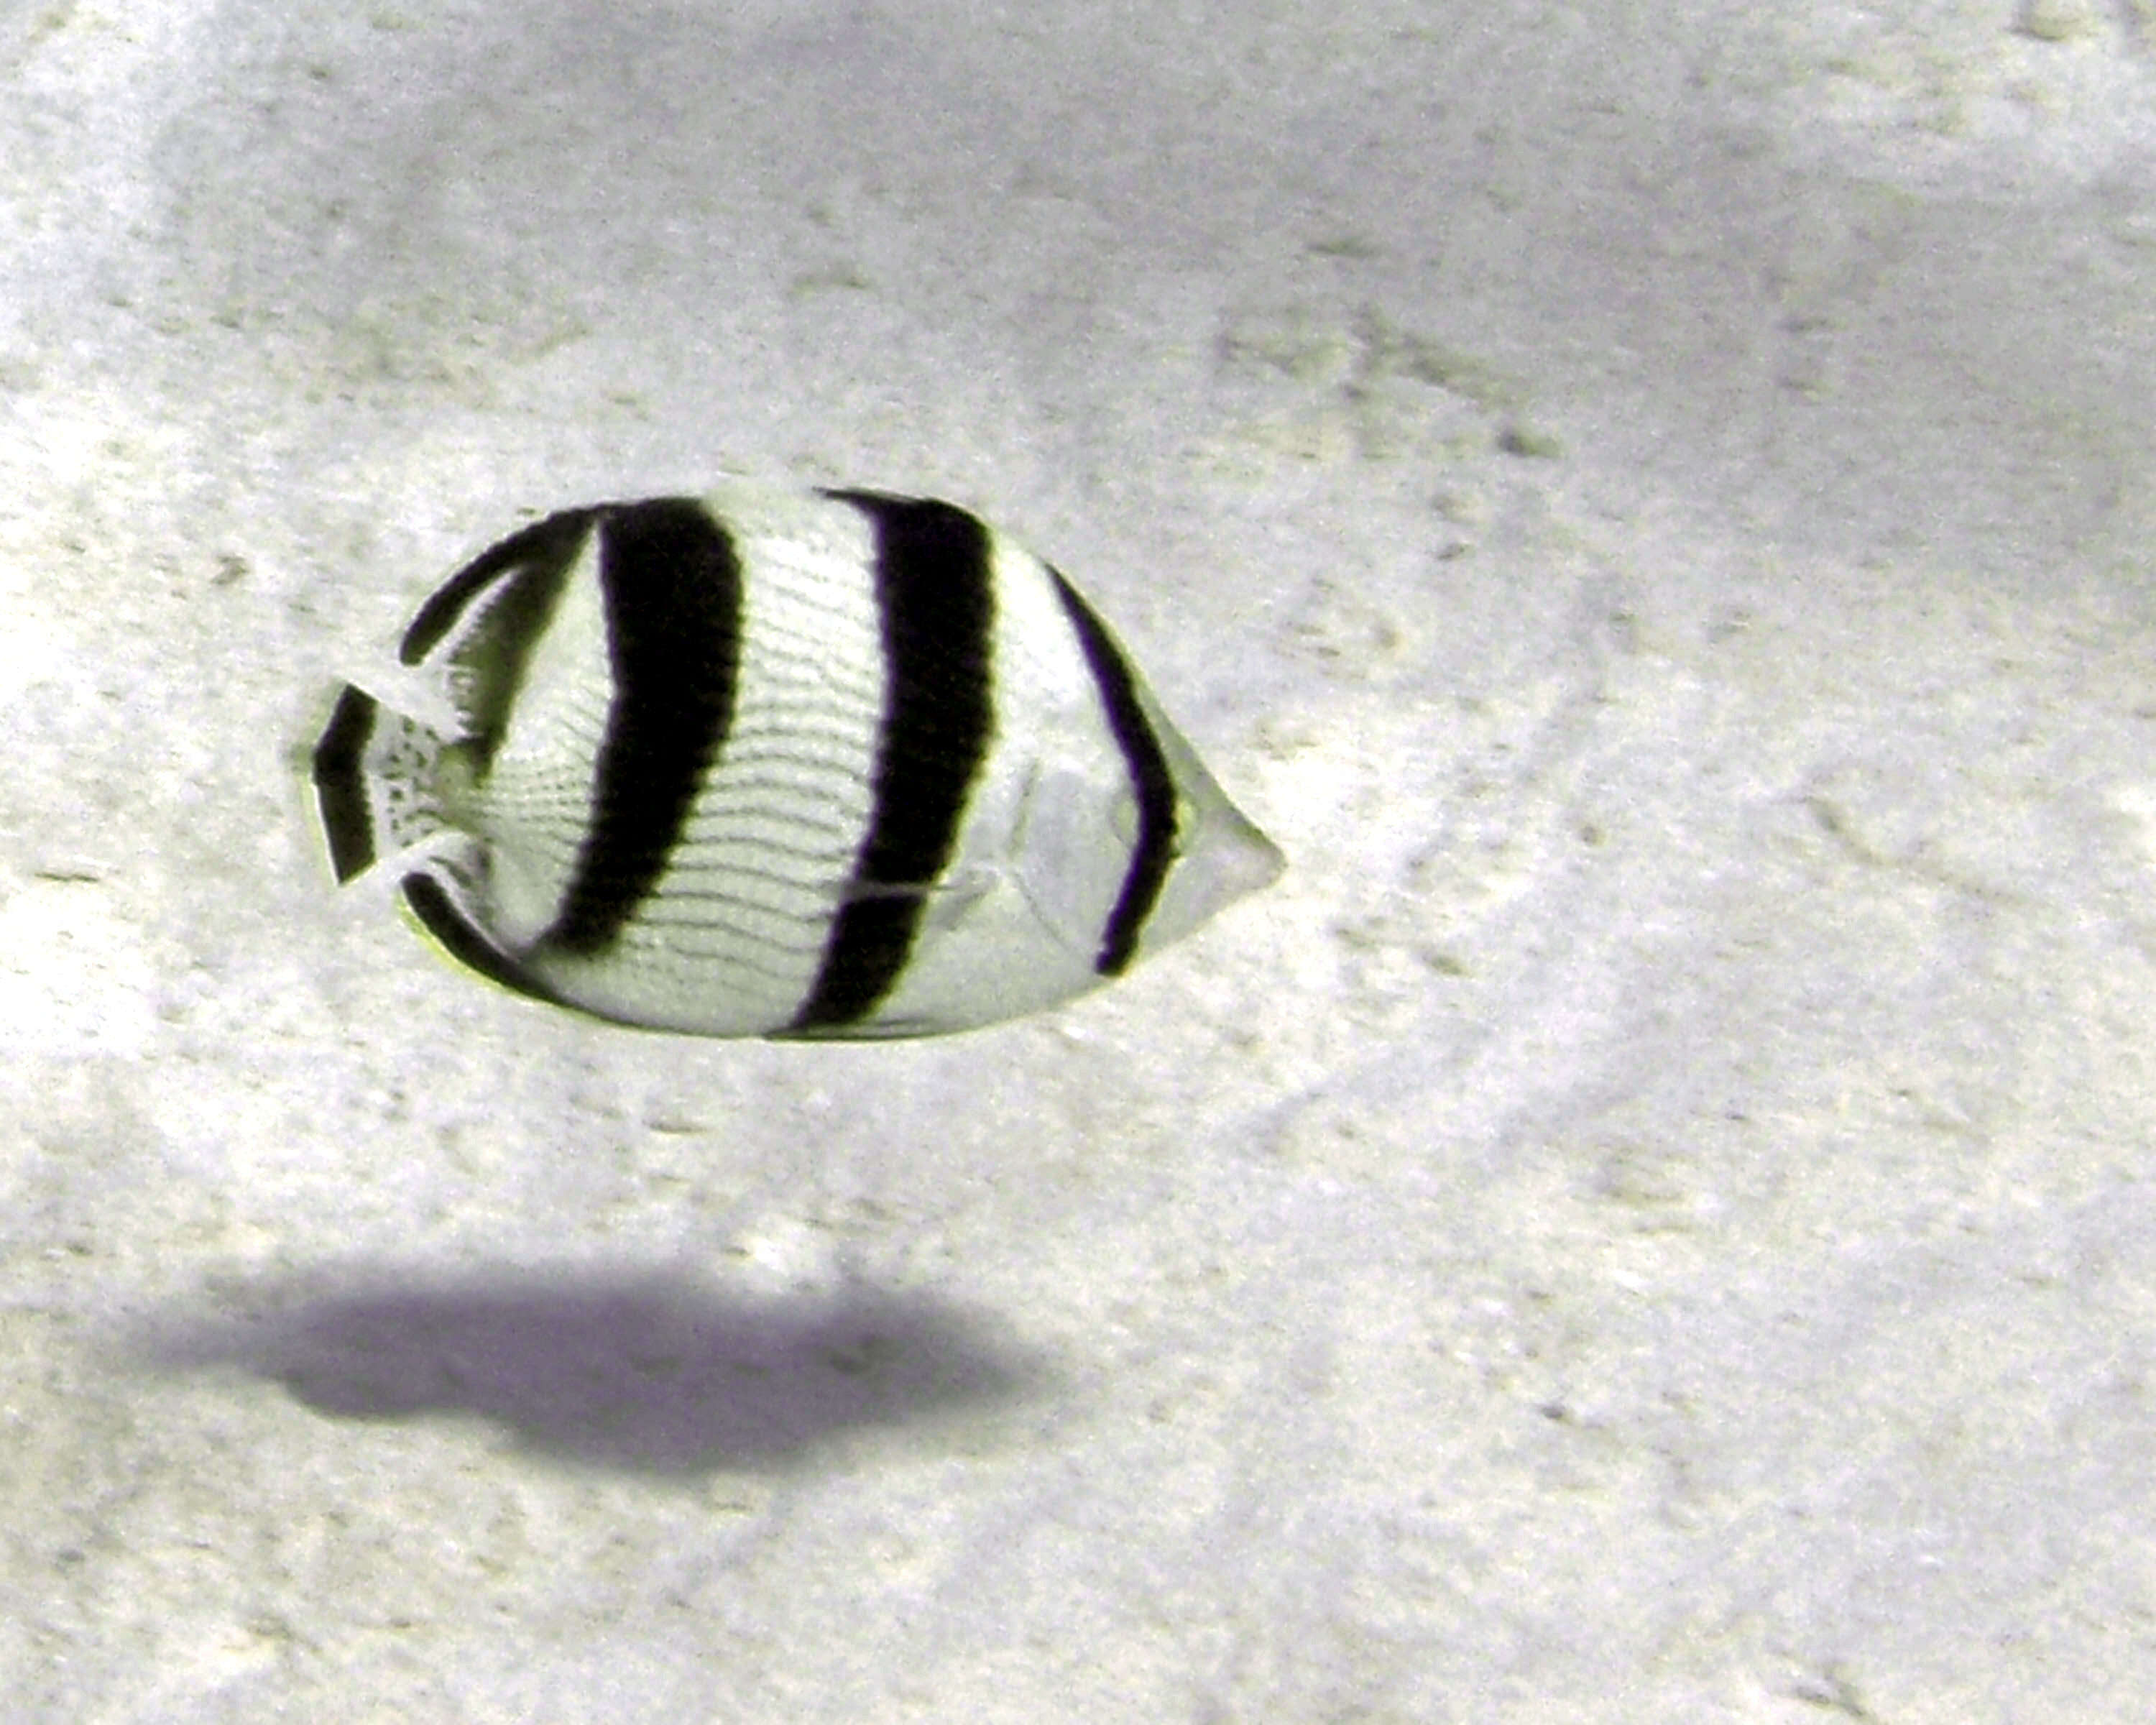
(775,763)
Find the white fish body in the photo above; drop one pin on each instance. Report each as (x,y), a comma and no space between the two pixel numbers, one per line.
(776,763)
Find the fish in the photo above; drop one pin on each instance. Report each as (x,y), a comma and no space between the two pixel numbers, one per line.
(780,763)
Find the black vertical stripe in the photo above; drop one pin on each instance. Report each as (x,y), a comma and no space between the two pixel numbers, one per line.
(935,590)
(522,578)
(464,941)
(1153,853)
(546,547)
(340,783)
(671,580)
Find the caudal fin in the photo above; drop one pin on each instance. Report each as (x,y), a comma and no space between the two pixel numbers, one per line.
(376,782)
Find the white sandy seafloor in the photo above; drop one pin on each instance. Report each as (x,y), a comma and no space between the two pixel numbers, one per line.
(1653,507)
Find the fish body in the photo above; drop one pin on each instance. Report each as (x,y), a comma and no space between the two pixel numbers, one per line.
(774,764)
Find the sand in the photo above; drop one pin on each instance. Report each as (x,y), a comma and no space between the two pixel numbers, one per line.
(1651,507)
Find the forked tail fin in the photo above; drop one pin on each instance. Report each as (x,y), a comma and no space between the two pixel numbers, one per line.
(378,783)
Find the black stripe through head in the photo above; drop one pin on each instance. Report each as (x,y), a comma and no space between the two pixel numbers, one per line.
(935,592)
(671,581)
(1153,853)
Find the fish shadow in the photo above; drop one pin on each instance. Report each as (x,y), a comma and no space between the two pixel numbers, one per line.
(637,1371)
